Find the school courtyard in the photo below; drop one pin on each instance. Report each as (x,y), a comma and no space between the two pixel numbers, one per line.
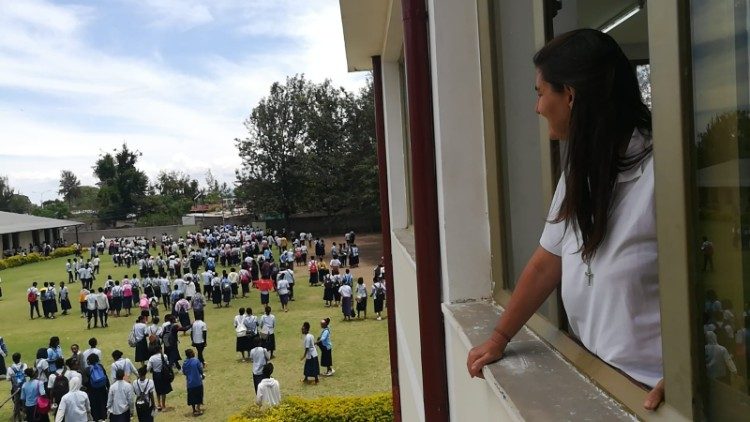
(360,347)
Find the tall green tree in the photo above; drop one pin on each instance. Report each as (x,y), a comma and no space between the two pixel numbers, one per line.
(52,209)
(6,194)
(122,186)
(175,184)
(70,186)
(360,162)
(326,147)
(272,177)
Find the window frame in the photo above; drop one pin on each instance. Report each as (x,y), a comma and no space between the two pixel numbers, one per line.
(667,49)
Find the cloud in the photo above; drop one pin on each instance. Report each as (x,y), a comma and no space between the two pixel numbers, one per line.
(64,99)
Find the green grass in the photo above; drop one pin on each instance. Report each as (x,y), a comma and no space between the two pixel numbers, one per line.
(360,352)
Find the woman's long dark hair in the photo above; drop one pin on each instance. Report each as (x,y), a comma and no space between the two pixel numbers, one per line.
(607,107)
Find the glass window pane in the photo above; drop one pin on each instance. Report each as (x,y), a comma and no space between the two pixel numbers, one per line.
(721,167)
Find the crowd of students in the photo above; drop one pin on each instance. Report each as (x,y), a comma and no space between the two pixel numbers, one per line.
(182,278)
(78,388)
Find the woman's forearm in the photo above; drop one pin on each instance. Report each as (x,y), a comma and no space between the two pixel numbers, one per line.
(537,281)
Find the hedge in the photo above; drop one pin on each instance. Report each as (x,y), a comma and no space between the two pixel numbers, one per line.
(376,407)
(18,260)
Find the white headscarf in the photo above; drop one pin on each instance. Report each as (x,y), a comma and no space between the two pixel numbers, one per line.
(74,384)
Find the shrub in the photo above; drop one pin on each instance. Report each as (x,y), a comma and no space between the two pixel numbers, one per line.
(376,407)
(18,260)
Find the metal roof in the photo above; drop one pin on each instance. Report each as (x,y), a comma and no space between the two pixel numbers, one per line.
(14,223)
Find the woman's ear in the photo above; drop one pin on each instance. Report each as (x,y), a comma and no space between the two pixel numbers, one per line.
(571,94)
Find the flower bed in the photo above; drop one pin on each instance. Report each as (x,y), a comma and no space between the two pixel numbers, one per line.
(18,260)
(376,407)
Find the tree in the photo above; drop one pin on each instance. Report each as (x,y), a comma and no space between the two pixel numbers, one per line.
(87,199)
(70,186)
(6,194)
(215,192)
(360,159)
(122,186)
(20,204)
(52,209)
(325,149)
(272,177)
(175,184)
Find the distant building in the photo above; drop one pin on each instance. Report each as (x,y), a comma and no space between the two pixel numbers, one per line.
(19,231)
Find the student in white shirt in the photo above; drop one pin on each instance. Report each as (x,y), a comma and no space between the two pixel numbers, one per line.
(120,399)
(260,356)
(268,393)
(74,405)
(599,244)
(93,342)
(121,363)
(199,337)
(156,364)
(346,301)
(310,355)
(144,387)
(267,326)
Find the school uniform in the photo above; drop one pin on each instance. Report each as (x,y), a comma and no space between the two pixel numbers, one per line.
(155,364)
(312,367)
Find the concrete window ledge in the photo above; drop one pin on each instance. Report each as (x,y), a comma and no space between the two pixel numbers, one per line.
(405,238)
(532,381)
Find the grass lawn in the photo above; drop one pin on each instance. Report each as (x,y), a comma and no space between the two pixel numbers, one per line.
(360,353)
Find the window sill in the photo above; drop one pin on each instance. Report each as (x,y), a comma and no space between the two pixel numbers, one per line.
(533,380)
(405,238)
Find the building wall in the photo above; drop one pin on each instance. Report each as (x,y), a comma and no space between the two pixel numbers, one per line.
(407,332)
(86,237)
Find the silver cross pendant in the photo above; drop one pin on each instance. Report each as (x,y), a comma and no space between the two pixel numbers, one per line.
(589,275)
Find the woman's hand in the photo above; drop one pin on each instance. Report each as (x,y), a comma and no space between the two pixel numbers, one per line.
(655,397)
(488,352)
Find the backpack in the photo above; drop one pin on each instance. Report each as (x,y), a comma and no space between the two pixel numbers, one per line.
(97,377)
(31,297)
(244,277)
(166,336)
(60,386)
(313,267)
(132,342)
(166,370)
(142,405)
(379,293)
(18,376)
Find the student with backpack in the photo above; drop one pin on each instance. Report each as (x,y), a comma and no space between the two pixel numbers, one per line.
(378,294)
(75,405)
(33,393)
(16,375)
(96,382)
(137,339)
(171,341)
(120,399)
(312,267)
(145,403)
(161,369)
(121,363)
(58,384)
(32,296)
(64,296)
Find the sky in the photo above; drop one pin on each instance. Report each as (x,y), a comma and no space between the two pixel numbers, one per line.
(175,79)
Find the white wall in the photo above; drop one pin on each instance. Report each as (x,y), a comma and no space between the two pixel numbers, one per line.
(459,142)
(407,333)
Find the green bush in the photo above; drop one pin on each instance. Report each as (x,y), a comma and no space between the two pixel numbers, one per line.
(18,260)
(376,407)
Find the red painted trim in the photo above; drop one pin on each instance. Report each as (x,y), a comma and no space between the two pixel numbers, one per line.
(425,207)
(385,227)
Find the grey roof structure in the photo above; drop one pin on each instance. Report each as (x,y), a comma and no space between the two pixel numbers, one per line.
(13,223)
